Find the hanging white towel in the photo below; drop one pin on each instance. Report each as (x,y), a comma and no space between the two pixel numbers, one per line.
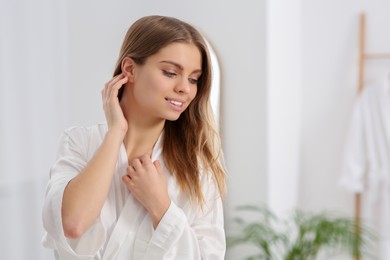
(366,163)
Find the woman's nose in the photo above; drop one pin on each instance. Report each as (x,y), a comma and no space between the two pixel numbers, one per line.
(183,87)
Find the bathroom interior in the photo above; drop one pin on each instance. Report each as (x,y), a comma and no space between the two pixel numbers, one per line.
(289,79)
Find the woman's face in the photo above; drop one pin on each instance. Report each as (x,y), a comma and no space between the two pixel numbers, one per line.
(166,83)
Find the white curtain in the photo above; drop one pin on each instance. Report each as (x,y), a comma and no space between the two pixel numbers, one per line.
(33,99)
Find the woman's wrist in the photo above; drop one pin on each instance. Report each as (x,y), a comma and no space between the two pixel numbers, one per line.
(158,213)
(115,135)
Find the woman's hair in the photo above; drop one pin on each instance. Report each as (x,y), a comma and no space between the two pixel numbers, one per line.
(191,141)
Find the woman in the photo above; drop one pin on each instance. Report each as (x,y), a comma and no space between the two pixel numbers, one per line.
(148,183)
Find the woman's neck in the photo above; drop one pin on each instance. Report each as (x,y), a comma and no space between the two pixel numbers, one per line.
(143,129)
(141,138)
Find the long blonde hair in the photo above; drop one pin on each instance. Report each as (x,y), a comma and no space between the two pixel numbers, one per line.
(191,141)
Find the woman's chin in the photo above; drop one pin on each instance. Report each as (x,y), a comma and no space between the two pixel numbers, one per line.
(172,117)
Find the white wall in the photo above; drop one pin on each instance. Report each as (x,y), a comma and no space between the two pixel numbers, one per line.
(284,98)
(32,97)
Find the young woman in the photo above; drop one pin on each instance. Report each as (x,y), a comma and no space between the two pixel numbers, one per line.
(148,183)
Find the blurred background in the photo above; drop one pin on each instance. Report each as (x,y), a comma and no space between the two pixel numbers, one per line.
(289,75)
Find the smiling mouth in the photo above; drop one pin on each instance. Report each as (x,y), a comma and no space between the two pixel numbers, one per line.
(175,102)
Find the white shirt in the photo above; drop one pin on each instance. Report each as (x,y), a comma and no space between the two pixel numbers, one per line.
(124,229)
(366,164)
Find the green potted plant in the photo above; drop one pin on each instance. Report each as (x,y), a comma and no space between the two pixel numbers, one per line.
(300,236)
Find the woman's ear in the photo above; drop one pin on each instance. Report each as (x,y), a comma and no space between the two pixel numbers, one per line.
(128,68)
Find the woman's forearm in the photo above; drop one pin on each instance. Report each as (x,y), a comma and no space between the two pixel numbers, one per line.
(85,194)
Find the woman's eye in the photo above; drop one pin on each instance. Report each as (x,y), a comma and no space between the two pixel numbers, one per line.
(193,81)
(169,74)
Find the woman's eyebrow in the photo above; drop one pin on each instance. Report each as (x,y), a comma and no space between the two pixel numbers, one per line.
(177,65)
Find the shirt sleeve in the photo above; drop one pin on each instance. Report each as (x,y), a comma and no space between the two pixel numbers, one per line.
(71,160)
(176,238)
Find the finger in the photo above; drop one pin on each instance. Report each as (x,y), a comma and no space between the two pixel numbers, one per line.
(130,170)
(115,79)
(118,84)
(158,166)
(146,159)
(113,91)
(115,84)
(136,164)
(126,178)
(115,88)
(128,181)
(104,93)
(110,83)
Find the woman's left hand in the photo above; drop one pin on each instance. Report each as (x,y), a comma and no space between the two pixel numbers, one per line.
(146,181)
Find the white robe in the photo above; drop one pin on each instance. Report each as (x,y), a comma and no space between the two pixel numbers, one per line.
(124,229)
(366,165)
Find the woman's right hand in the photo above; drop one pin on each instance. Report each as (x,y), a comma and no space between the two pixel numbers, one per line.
(112,109)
